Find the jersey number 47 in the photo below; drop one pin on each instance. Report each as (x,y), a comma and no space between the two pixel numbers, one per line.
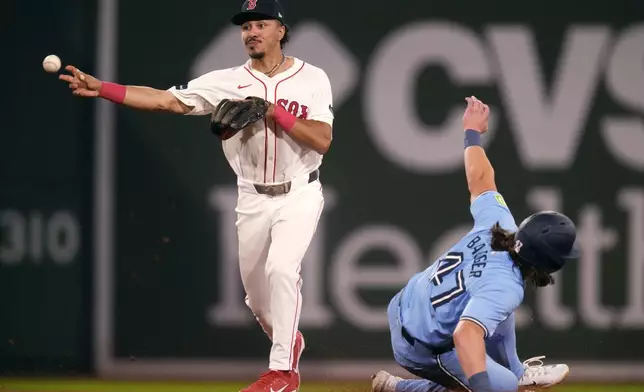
(445,268)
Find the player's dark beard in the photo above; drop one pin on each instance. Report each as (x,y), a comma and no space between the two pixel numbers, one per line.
(257,55)
(253,53)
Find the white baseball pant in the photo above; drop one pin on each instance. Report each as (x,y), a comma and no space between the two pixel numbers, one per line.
(274,234)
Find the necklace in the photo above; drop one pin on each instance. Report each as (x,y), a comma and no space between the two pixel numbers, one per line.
(276,66)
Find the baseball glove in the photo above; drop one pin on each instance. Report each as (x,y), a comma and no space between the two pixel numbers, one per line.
(231,115)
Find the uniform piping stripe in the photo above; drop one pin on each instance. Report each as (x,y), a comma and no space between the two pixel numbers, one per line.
(294,330)
(298,287)
(265,122)
(275,124)
(480,324)
(440,365)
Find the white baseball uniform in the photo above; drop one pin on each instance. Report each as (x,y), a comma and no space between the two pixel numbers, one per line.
(274,232)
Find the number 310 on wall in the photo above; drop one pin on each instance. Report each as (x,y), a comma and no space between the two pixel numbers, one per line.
(35,237)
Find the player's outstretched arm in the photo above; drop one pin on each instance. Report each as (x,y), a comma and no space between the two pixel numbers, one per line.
(470,349)
(478,169)
(136,97)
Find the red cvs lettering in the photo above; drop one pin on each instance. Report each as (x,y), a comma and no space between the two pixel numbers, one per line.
(294,107)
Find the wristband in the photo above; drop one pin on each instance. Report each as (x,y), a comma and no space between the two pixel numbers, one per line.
(480,382)
(283,118)
(112,91)
(472,138)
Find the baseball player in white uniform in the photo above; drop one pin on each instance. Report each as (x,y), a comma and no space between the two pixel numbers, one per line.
(276,161)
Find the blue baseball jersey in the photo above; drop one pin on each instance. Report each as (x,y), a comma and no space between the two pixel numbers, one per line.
(469,281)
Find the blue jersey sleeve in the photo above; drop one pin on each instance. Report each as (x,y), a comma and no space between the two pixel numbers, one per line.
(489,208)
(494,300)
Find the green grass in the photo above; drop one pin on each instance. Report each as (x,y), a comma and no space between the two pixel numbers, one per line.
(57,385)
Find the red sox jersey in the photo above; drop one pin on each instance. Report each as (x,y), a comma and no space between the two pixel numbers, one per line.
(263,152)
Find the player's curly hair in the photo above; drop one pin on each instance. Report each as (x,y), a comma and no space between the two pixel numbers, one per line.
(503,240)
(285,38)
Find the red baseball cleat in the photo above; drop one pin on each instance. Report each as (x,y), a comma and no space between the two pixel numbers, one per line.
(281,380)
(275,381)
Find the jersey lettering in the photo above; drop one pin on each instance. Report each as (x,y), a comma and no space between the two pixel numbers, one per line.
(294,107)
(458,290)
(477,266)
(473,244)
(445,266)
(479,253)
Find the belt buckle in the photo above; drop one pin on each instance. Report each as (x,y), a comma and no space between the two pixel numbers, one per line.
(276,190)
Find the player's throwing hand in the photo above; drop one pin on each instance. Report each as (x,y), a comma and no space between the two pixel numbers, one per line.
(476,115)
(82,84)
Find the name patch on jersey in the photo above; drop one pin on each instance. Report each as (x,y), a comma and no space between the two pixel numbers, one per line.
(294,107)
(479,253)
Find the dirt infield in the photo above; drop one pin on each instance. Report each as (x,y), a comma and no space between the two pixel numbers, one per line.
(58,385)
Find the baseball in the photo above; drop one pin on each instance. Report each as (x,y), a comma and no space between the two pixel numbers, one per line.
(51,63)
